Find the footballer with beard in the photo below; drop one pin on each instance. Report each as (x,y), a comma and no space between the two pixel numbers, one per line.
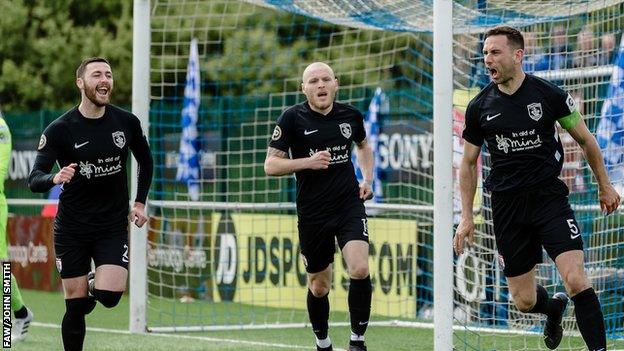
(313,140)
(515,116)
(90,144)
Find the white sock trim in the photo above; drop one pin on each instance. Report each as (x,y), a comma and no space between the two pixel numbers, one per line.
(355,337)
(323,343)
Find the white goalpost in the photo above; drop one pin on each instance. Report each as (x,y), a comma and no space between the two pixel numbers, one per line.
(140,107)
(443,173)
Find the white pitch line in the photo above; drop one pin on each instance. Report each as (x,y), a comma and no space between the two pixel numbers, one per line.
(190,337)
(206,338)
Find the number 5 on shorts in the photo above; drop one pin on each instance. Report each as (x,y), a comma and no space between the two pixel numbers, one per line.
(573,229)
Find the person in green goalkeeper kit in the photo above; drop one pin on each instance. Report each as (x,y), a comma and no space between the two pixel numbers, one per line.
(23,315)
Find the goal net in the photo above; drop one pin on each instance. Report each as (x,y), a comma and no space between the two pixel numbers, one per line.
(223,247)
(577,45)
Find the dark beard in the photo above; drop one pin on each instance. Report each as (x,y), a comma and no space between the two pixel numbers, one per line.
(92,96)
(504,81)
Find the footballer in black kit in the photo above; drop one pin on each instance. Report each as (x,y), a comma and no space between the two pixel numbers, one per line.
(515,115)
(529,201)
(328,202)
(92,219)
(313,140)
(91,144)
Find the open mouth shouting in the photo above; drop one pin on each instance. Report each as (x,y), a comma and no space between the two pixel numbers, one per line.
(102,91)
(494,73)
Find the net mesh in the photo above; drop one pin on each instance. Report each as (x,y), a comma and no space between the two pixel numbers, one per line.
(223,265)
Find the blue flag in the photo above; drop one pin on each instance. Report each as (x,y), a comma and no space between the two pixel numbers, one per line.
(610,131)
(371,124)
(188,161)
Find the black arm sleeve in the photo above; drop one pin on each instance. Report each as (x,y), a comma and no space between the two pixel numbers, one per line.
(40,180)
(141,151)
(563,103)
(472,129)
(360,130)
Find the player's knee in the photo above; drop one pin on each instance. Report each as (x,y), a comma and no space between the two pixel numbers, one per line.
(107,298)
(576,283)
(80,306)
(359,272)
(319,289)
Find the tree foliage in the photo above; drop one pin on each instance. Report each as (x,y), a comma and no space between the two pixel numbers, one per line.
(245,50)
(43,43)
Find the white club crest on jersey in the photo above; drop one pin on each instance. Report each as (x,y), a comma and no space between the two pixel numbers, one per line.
(345,129)
(119,138)
(535,110)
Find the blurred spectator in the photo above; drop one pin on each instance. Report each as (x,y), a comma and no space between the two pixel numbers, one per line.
(558,52)
(586,54)
(534,57)
(607,49)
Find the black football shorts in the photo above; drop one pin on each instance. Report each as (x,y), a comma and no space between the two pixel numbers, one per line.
(74,252)
(318,238)
(526,221)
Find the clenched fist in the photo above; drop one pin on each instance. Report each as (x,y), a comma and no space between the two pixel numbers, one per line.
(65,174)
(319,160)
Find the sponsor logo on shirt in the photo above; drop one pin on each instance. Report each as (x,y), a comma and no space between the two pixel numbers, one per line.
(78,146)
(104,167)
(339,154)
(42,142)
(535,110)
(519,141)
(571,103)
(277,133)
(489,118)
(119,138)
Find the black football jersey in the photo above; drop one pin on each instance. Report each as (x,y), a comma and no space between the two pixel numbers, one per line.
(96,198)
(302,132)
(519,131)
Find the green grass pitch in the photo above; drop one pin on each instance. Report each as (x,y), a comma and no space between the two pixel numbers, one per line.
(107,330)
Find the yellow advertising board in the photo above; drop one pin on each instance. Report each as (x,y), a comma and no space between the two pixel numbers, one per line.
(257,261)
